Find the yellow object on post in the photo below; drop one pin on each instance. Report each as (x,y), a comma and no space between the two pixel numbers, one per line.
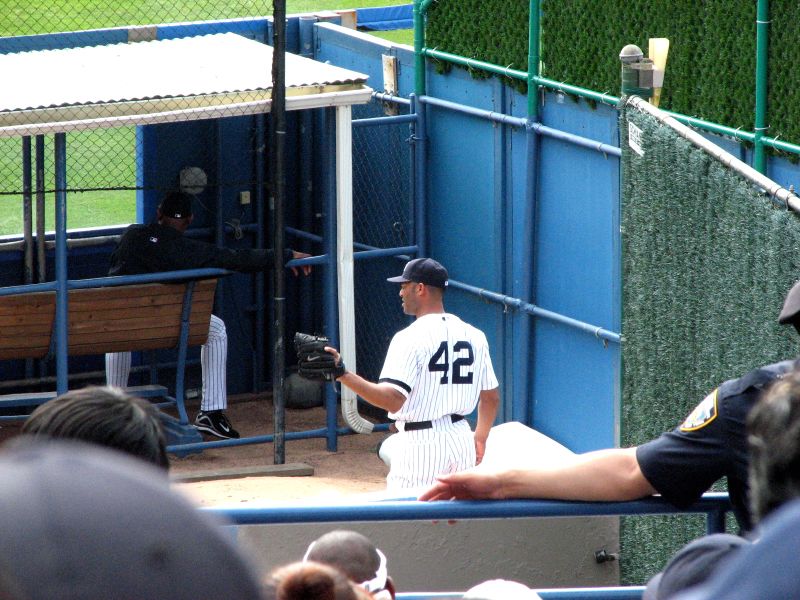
(657,51)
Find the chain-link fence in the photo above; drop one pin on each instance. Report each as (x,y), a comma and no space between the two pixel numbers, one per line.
(35,17)
(110,163)
(381,219)
(101,163)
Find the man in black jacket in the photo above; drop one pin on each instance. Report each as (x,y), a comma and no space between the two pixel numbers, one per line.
(161,246)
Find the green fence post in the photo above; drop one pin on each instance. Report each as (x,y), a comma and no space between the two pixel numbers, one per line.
(762,74)
(533,60)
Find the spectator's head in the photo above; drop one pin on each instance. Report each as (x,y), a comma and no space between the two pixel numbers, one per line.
(105,416)
(773,428)
(790,313)
(81,521)
(355,556)
(692,564)
(501,589)
(302,580)
(175,210)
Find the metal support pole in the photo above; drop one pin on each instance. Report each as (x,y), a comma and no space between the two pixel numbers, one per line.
(420,222)
(183,343)
(419,42)
(762,74)
(523,282)
(329,247)
(260,321)
(62,314)
(306,201)
(40,213)
(27,208)
(27,224)
(279,301)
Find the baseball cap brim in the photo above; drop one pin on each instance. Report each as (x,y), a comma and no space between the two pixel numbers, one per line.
(398,279)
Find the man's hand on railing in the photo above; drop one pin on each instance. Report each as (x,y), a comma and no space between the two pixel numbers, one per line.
(465,485)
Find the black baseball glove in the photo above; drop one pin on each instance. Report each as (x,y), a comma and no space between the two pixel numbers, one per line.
(313,362)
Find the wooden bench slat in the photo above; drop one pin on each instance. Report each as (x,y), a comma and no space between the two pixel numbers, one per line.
(8,333)
(90,303)
(155,337)
(84,313)
(26,323)
(134,319)
(32,347)
(111,319)
(27,303)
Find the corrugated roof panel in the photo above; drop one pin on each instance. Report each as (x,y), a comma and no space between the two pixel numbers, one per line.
(200,74)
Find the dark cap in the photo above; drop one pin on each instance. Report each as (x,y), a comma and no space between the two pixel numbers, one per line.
(423,270)
(176,205)
(84,521)
(693,564)
(791,305)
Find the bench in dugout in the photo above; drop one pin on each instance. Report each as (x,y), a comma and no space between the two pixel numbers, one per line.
(129,317)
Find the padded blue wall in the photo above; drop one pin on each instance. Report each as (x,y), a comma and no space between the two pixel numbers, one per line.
(476,185)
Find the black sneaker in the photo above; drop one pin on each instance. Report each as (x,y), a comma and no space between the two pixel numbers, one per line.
(216,423)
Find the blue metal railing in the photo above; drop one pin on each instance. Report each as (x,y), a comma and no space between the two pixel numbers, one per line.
(597,593)
(714,505)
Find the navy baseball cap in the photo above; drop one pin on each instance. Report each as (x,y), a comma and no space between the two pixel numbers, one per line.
(423,270)
(84,521)
(693,564)
(177,205)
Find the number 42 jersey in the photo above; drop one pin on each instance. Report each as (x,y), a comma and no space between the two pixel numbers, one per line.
(441,365)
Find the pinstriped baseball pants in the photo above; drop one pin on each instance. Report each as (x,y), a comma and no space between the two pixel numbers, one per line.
(213,360)
(419,456)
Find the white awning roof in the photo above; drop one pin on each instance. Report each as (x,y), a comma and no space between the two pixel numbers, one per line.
(161,81)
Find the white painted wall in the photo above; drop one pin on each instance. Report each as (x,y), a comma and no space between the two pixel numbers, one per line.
(437,556)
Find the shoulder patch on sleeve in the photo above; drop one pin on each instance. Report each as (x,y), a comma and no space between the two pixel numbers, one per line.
(703,414)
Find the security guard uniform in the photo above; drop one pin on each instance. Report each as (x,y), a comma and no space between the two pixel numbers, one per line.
(711,443)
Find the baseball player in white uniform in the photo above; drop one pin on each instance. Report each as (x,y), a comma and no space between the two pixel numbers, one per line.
(436,371)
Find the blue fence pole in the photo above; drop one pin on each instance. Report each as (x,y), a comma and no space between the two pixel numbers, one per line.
(62,311)
(419,136)
(260,320)
(331,286)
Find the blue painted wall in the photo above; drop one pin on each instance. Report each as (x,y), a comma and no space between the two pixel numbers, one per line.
(476,197)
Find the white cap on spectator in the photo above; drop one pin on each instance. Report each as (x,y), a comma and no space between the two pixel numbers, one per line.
(501,589)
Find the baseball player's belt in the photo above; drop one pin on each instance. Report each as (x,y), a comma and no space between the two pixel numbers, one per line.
(416,425)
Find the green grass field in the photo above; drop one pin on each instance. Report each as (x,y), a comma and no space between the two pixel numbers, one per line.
(105,158)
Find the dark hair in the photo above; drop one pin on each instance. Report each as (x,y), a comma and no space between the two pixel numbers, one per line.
(349,551)
(105,416)
(773,428)
(307,580)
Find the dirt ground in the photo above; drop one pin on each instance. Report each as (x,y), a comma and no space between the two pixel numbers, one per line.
(354,469)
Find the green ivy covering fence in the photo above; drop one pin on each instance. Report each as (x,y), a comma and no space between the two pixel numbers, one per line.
(707,261)
(711,68)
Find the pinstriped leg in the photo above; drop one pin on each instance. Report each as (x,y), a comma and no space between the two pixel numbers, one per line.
(422,455)
(118,368)
(462,448)
(214,361)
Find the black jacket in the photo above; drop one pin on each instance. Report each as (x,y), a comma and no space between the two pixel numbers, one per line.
(154,248)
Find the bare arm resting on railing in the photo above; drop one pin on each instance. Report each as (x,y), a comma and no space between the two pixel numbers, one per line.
(609,475)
